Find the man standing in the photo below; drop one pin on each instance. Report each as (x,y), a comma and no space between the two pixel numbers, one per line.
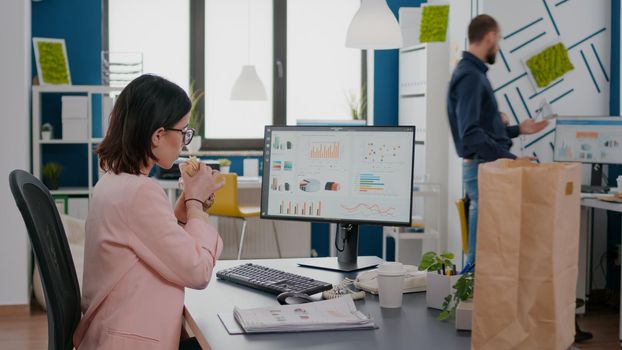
(477,127)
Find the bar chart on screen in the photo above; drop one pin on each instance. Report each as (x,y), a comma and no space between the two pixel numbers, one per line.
(305,208)
(323,150)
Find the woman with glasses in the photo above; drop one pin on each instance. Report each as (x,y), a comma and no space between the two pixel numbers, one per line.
(140,252)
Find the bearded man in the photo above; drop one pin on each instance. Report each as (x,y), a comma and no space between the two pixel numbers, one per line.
(477,126)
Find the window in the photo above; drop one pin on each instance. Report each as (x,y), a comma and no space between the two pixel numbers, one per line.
(297,47)
(237,32)
(157,28)
(322,74)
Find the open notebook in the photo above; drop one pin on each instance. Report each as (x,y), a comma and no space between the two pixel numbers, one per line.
(333,314)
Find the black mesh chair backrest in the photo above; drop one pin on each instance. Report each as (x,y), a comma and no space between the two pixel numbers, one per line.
(49,243)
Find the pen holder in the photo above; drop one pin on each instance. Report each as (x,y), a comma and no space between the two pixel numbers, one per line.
(437,288)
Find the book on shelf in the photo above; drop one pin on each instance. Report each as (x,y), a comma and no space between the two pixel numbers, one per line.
(333,314)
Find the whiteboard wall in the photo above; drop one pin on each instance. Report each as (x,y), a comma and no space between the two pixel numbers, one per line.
(529,26)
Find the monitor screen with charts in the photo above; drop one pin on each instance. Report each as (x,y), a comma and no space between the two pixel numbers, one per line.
(588,140)
(338,174)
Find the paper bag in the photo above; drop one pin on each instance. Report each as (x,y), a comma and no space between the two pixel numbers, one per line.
(527,256)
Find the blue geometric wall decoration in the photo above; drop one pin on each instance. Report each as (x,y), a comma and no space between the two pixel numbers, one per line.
(529,26)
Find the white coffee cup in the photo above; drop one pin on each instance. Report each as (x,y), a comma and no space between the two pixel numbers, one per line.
(390,284)
(619,180)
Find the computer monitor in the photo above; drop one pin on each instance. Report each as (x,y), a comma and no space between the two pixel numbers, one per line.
(591,140)
(346,175)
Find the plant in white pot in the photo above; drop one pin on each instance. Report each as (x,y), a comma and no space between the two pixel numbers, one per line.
(47,131)
(196,120)
(440,278)
(224,165)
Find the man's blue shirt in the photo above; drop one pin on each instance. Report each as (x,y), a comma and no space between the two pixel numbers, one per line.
(476,125)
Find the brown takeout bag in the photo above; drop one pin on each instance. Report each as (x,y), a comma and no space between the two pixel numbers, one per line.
(527,255)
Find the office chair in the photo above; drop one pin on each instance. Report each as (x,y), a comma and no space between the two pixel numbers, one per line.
(226,205)
(49,244)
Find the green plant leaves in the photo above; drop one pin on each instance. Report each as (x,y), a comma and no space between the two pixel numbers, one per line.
(427,260)
(430,261)
(434,20)
(52,170)
(549,64)
(463,291)
(447,255)
(464,286)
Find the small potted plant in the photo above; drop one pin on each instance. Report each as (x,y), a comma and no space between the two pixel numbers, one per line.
(224,165)
(196,119)
(460,302)
(51,173)
(441,276)
(47,131)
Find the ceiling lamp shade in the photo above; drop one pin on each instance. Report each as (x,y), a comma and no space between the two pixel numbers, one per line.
(374,27)
(248,86)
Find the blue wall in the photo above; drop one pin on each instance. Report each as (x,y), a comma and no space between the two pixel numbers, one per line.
(79,22)
(614,219)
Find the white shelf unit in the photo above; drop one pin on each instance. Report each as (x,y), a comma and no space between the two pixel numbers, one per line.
(429,192)
(423,80)
(38,143)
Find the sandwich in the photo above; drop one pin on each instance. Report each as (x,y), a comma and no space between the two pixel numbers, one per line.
(190,168)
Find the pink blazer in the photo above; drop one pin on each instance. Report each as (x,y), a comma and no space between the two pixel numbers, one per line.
(137,261)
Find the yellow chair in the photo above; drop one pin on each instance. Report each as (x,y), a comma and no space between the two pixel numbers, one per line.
(226,205)
(464,228)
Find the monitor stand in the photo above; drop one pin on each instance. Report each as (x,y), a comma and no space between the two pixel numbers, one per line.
(596,181)
(596,178)
(347,260)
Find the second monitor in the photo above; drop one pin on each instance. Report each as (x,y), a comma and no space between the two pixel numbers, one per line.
(345,175)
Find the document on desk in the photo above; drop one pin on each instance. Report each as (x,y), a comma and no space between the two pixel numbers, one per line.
(334,314)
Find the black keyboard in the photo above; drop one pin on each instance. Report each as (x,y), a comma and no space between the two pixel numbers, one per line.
(594,189)
(272,280)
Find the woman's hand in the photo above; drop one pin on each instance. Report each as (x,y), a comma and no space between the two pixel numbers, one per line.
(203,184)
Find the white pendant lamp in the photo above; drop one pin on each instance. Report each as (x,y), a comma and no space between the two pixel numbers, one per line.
(374,27)
(248,86)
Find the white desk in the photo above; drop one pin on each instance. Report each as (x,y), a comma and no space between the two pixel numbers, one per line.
(413,326)
(585,256)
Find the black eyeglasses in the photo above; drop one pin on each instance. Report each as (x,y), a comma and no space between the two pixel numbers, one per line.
(188,134)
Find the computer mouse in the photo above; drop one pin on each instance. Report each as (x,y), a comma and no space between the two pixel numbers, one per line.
(290,298)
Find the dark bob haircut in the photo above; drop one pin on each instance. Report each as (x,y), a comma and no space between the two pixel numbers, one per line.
(480,26)
(146,104)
